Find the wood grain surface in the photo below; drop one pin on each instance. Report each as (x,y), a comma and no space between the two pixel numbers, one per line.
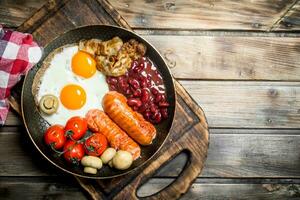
(242,104)
(254,15)
(14,12)
(203,14)
(226,190)
(291,20)
(241,66)
(230,57)
(54,188)
(232,153)
(247,104)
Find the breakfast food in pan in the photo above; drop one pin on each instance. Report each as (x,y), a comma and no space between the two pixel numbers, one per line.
(102,100)
(113,57)
(71,76)
(118,139)
(115,105)
(144,87)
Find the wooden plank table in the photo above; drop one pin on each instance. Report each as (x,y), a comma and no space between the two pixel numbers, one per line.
(240,60)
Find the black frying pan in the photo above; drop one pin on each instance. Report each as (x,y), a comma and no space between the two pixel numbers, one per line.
(36,125)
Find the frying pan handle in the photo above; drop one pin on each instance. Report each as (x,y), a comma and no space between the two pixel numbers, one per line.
(177,187)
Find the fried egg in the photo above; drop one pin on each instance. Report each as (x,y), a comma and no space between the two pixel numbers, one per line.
(72,77)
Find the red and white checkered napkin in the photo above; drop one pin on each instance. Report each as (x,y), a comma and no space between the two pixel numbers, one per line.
(18,53)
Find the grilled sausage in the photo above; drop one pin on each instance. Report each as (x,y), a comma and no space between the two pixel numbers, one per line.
(115,105)
(98,121)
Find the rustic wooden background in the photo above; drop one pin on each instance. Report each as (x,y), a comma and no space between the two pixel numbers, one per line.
(240,60)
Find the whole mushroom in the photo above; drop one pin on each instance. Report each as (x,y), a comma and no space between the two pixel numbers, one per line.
(122,160)
(91,164)
(108,155)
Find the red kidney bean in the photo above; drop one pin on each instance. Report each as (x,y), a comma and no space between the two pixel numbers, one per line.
(149,78)
(111,80)
(134,64)
(137,93)
(124,86)
(158,98)
(134,83)
(112,87)
(153,108)
(131,90)
(147,64)
(135,108)
(147,115)
(163,104)
(145,95)
(134,102)
(156,117)
(138,68)
(154,91)
(164,113)
(143,107)
(120,78)
(143,82)
(108,80)
(121,81)
(128,91)
(148,83)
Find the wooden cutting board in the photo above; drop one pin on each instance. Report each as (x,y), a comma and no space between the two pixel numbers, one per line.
(189,132)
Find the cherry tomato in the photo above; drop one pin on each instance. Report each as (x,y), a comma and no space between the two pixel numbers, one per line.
(76,127)
(73,151)
(55,136)
(96,144)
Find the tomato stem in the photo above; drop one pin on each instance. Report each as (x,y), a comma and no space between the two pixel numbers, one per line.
(69,134)
(89,148)
(52,147)
(74,161)
(86,137)
(68,149)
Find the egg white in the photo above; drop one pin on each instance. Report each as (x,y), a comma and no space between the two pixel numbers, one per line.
(59,74)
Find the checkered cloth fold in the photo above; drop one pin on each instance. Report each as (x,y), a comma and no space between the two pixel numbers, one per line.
(18,53)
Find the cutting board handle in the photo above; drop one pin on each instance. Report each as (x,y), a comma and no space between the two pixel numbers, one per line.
(179,186)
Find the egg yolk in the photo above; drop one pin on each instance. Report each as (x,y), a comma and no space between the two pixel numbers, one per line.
(83,64)
(73,96)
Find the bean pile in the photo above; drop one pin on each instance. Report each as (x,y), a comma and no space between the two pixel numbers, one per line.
(144,88)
